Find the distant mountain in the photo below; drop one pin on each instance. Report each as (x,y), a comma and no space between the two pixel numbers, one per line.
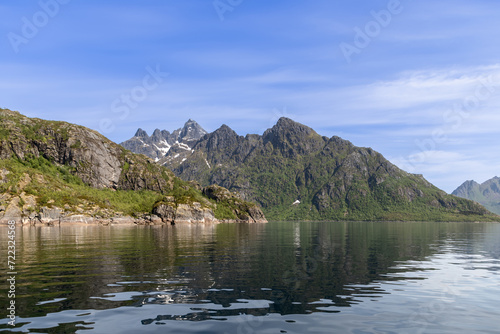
(296,174)
(487,193)
(162,141)
(53,172)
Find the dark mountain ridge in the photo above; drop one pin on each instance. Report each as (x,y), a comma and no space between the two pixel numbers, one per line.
(326,178)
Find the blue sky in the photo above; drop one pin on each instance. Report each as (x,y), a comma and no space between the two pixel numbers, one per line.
(418,81)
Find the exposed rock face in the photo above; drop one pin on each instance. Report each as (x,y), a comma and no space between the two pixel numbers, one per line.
(166,211)
(244,211)
(95,160)
(487,193)
(171,213)
(193,214)
(255,215)
(162,141)
(99,162)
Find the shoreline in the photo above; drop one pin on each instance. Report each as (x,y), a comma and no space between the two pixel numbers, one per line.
(130,221)
(81,220)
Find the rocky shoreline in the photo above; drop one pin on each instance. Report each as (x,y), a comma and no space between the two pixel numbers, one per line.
(183,215)
(162,215)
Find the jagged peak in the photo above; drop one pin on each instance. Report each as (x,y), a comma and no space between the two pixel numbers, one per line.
(286,124)
(286,121)
(141,133)
(191,131)
(157,135)
(287,130)
(191,122)
(224,129)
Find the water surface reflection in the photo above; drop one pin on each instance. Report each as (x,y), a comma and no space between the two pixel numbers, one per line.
(256,277)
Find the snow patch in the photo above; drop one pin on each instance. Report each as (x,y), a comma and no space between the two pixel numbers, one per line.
(143,143)
(208,164)
(163,150)
(164,142)
(184,146)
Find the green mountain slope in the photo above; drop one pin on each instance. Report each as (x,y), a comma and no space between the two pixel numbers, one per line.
(486,193)
(57,170)
(331,178)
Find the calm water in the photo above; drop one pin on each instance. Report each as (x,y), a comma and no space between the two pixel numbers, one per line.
(354,277)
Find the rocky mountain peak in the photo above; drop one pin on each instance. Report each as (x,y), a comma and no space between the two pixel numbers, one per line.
(141,133)
(466,189)
(486,193)
(293,138)
(225,131)
(222,139)
(157,136)
(161,141)
(191,131)
(287,124)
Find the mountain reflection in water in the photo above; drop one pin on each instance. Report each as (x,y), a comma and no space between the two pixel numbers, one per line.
(256,277)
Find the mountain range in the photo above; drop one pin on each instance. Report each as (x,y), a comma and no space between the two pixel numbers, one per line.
(53,172)
(296,174)
(486,193)
(162,141)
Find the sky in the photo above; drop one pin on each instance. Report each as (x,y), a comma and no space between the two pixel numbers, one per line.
(418,81)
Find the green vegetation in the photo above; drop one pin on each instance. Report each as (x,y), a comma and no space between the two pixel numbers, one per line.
(55,186)
(224,212)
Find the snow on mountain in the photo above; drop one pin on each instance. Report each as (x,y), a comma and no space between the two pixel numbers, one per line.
(159,144)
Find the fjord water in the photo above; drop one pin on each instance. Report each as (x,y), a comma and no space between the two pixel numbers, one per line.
(282,277)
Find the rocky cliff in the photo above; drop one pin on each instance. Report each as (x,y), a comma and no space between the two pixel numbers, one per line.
(53,172)
(295,173)
(486,193)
